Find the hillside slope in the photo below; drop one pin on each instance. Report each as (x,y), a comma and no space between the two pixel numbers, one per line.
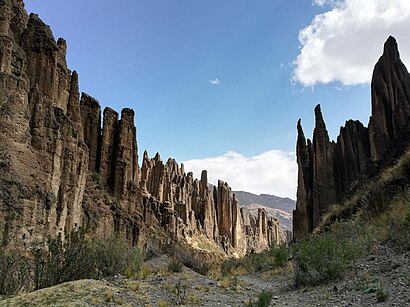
(279,207)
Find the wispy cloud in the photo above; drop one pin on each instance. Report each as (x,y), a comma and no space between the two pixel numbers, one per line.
(344,43)
(214,81)
(272,172)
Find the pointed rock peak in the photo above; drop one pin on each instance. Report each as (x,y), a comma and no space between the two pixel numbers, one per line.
(235,199)
(300,129)
(61,42)
(62,45)
(391,49)
(74,77)
(157,157)
(146,155)
(204,176)
(74,88)
(318,111)
(320,123)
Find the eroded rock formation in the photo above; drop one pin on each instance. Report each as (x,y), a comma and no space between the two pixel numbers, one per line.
(62,166)
(328,171)
(214,214)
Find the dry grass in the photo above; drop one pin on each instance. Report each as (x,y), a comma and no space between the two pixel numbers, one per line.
(145,272)
(374,196)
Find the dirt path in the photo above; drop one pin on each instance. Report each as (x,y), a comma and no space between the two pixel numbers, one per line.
(156,286)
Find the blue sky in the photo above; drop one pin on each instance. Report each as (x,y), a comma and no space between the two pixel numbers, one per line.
(221,84)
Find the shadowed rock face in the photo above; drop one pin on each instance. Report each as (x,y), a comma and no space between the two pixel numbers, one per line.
(62,167)
(390,100)
(329,171)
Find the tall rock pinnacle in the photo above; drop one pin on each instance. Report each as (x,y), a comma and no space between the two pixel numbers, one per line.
(390,99)
(328,171)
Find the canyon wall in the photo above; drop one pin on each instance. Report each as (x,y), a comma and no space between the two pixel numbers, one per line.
(64,165)
(328,171)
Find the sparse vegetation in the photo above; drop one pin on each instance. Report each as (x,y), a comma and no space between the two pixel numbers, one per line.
(109,296)
(162,303)
(381,295)
(264,299)
(63,261)
(113,256)
(326,256)
(175,265)
(14,272)
(180,291)
(145,272)
(70,259)
(277,256)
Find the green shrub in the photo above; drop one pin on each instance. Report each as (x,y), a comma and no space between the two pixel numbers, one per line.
(175,265)
(325,257)
(381,295)
(229,266)
(279,255)
(114,256)
(398,225)
(264,299)
(14,272)
(61,260)
(180,291)
(276,257)
(67,260)
(78,258)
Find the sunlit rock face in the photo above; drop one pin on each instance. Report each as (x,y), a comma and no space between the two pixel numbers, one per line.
(64,165)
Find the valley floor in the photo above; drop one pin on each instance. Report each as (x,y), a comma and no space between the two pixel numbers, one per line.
(383,269)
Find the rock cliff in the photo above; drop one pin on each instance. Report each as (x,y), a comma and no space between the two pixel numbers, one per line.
(64,165)
(328,171)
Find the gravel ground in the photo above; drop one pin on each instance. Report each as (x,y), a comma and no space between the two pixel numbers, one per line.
(156,286)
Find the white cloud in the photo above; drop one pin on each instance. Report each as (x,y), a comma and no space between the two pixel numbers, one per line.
(214,81)
(344,43)
(323,2)
(272,172)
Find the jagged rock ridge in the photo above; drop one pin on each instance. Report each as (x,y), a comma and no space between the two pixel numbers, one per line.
(328,170)
(281,208)
(61,169)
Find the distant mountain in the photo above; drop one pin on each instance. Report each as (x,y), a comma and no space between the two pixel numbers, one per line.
(278,207)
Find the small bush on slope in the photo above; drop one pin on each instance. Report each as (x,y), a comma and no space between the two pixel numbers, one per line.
(14,272)
(326,256)
(398,225)
(113,256)
(264,299)
(74,258)
(277,256)
(175,265)
(67,260)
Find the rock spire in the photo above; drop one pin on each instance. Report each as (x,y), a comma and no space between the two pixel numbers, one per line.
(327,171)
